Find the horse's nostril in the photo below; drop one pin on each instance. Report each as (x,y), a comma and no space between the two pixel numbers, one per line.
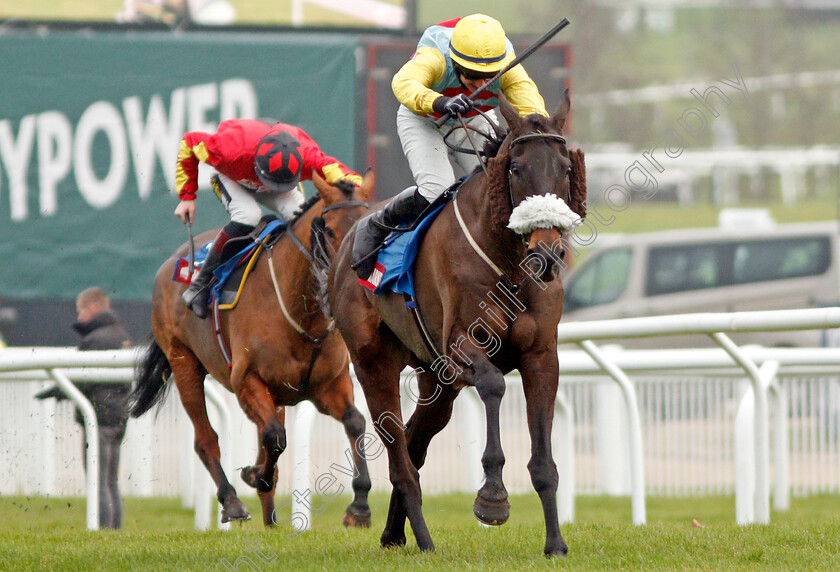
(563,254)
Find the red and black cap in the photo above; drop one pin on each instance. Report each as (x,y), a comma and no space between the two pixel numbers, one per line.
(277,161)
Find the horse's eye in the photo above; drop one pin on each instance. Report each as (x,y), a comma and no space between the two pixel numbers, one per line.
(514,170)
(568,171)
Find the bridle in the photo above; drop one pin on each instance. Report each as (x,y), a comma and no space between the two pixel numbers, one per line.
(517,140)
(524,139)
(342,205)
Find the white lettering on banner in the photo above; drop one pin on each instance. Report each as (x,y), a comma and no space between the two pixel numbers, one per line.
(202,99)
(55,135)
(16,156)
(238,100)
(156,136)
(150,142)
(101,116)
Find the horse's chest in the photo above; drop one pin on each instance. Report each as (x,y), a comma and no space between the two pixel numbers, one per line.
(523,331)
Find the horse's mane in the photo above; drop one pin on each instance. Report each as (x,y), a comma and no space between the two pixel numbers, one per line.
(302,210)
(346,187)
(497,178)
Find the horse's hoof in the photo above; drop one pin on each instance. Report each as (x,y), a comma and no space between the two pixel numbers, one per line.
(388,540)
(357,518)
(556,551)
(249,476)
(493,513)
(233,509)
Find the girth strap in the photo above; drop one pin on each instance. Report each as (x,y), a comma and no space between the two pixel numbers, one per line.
(411,304)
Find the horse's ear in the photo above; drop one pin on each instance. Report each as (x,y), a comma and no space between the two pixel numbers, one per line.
(329,194)
(577,183)
(365,192)
(509,113)
(559,117)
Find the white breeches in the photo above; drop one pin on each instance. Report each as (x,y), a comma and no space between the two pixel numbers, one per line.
(243,203)
(434,166)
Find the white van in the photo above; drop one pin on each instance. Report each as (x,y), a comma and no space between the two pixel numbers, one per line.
(709,270)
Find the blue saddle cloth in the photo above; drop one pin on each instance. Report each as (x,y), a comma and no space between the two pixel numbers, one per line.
(224,271)
(395,263)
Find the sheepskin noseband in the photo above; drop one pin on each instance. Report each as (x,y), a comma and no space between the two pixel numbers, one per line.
(542,211)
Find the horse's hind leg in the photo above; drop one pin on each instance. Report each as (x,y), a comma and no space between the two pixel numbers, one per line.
(258,405)
(337,402)
(189,378)
(383,399)
(433,412)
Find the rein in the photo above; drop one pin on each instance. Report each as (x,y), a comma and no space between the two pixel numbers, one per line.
(300,246)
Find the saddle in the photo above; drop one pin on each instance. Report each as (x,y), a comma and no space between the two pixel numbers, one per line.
(394,268)
(240,255)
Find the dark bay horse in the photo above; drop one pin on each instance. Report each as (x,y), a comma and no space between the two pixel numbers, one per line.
(489,307)
(278,357)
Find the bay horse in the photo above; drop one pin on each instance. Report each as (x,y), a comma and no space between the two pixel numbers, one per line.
(489,301)
(283,350)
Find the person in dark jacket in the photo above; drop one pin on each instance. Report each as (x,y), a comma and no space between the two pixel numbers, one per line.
(100,329)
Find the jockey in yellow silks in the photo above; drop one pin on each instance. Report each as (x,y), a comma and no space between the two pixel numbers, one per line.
(452,60)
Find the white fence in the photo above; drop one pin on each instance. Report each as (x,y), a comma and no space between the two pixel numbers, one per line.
(686,420)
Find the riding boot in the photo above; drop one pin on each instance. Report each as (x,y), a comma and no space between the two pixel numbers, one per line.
(197,296)
(372,230)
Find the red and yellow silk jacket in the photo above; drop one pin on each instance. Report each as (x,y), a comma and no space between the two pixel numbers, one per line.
(231,152)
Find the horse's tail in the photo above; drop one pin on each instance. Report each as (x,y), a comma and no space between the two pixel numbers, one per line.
(321,261)
(152,372)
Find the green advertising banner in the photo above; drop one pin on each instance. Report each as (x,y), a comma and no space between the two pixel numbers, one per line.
(89,130)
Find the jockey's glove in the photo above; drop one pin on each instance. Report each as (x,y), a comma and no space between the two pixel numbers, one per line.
(452,106)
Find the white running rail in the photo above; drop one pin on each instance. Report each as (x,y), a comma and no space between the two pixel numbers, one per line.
(751,472)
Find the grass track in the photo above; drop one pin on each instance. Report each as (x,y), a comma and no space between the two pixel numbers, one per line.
(49,534)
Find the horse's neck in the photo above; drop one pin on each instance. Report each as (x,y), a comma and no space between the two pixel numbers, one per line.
(502,245)
(293,270)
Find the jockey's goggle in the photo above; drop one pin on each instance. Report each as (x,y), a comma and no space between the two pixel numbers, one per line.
(472,74)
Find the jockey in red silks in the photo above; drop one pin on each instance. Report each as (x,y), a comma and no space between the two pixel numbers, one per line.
(258,162)
(452,60)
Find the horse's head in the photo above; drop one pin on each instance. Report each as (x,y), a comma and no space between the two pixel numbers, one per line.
(344,204)
(546,185)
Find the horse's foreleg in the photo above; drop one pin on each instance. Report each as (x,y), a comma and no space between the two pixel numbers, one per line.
(491,504)
(383,401)
(250,475)
(189,377)
(539,381)
(338,403)
(258,405)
